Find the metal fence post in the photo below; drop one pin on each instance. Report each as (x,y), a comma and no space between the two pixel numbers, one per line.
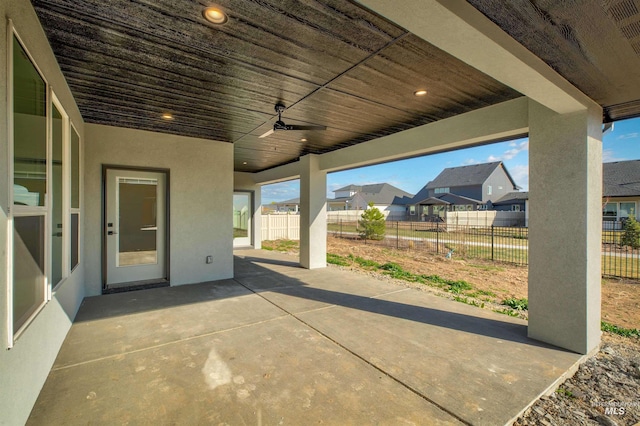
(397,235)
(491,242)
(340,227)
(437,237)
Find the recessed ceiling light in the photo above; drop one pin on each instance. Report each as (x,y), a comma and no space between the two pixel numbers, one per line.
(244,163)
(420,92)
(303,140)
(167,116)
(214,15)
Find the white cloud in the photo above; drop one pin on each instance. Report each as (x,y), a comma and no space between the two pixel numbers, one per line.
(629,135)
(470,161)
(608,156)
(516,148)
(520,174)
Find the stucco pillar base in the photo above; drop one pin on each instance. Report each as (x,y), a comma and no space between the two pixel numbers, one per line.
(313,213)
(565,227)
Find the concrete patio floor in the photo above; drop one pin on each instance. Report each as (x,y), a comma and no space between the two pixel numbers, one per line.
(284,345)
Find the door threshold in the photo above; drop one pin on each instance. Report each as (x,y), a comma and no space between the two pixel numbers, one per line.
(134,286)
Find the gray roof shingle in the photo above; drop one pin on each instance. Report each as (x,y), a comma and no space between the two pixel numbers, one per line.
(475,174)
(621,179)
(512,197)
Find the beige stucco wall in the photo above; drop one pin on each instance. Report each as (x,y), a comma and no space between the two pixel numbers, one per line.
(201,188)
(24,368)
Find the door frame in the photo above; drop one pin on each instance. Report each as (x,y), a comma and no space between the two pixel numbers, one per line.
(251,195)
(167,225)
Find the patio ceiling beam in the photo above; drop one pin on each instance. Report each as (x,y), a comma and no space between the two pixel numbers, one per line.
(497,122)
(461,30)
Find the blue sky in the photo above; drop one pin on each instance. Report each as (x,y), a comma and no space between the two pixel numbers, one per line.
(622,143)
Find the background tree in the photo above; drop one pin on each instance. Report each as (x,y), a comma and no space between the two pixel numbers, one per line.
(631,235)
(372,224)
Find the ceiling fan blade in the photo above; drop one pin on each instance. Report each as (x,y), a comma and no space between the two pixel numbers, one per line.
(296,127)
(267,133)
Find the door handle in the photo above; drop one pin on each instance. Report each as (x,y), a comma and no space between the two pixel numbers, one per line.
(111,233)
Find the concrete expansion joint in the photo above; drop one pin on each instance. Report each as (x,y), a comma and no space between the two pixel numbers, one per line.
(173,342)
(389,293)
(354,354)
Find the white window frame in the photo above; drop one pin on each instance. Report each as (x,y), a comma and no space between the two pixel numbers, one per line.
(24,211)
(40,211)
(75,210)
(66,189)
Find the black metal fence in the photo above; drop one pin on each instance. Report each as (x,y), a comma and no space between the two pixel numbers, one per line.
(497,243)
(618,260)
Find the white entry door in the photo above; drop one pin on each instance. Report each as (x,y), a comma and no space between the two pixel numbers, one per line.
(135,226)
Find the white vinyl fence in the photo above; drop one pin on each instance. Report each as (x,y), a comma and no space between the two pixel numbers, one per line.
(485,218)
(280,227)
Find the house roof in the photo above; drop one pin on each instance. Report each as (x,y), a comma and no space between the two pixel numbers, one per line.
(621,179)
(291,201)
(447,198)
(332,63)
(475,174)
(379,193)
(512,197)
(351,187)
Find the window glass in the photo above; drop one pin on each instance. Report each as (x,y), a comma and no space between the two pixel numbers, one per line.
(137,218)
(75,169)
(29,130)
(610,211)
(489,189)
(28,268)
(412,210)
(57,210)
(627,209)
(75,240)
(241,215)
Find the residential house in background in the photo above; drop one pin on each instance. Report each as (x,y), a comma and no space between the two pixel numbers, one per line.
(464,188)
(287,206)
(389,199)
(512,202)
(620,192)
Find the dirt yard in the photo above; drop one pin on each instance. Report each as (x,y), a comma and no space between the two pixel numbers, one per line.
(620,298)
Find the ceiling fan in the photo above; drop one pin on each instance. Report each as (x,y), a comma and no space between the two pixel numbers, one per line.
(279,125)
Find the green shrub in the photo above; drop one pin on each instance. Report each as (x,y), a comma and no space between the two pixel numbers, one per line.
(621,331)
(518,304)
(337,260)
(372,224)
(631,235)
(365,263)
(395,271)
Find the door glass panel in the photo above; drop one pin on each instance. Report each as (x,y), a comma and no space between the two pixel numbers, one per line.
(28,268)
(75,169)
(56,199)
(137,226)
(75,240)
(29,131)
(241,215)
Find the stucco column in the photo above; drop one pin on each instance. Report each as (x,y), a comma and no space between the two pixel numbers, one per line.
(313,213)
(565,227)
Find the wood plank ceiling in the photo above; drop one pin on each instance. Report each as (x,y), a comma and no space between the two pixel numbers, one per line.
(593,44)
(331,62)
